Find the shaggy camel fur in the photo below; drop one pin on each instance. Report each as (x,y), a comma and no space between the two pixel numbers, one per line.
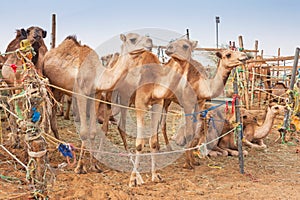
(254,133)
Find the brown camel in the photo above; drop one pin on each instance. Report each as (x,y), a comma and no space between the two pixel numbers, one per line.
(10,72)
(158,83)
(35,36)
(254,133)
(220,122)
(279,94)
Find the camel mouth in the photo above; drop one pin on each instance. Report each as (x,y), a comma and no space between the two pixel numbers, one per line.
(244,59)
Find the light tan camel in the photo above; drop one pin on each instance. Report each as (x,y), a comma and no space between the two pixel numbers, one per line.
(158,83)
(84,73)
(254,134)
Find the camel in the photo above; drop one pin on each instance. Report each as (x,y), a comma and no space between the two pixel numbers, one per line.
(107,61)
(13,60)
(35,36)
(220,122)
(279,93)
(254,133)
(179,80)
(84,73)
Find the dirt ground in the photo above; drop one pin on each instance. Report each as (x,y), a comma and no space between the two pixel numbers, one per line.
(270,174)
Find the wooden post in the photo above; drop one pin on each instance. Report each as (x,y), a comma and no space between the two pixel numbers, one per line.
(256,49)
(53,34)
(187,34)
(239,129)
(278,53)
(287,116)
(37,164)
(245,78)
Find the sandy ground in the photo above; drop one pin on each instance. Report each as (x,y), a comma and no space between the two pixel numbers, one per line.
(270,174)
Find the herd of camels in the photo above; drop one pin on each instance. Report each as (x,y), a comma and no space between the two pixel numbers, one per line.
(140,80)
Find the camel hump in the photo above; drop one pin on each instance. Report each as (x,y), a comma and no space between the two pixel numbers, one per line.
(73,38)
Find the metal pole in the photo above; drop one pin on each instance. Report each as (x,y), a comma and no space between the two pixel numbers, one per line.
(217,30)
(287,115)
(239,129)
(187,34)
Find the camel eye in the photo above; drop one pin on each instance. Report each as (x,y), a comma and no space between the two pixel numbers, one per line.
(185,46)
(228,55)
(133,40)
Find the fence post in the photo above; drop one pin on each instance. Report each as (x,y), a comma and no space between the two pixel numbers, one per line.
(53,34)
(239,128)
(287,116)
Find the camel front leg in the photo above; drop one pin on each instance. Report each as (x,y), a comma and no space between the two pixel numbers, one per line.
(154,145)
(164,123)
(136,178)
(122,122)
(251,145)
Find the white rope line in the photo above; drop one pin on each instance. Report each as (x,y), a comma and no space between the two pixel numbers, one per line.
(13,156)
(148,154)
(110,103)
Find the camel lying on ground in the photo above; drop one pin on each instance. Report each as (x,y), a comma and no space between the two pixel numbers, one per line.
(254,133)
(219,123)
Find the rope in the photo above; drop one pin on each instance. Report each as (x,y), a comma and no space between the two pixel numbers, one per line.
(146,154)
(14,157)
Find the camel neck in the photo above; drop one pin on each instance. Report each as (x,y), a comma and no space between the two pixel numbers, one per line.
(265,128)
(211,88)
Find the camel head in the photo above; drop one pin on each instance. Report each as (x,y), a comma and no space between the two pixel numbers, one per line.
(231,59)
(276,109)
(134,43)
(105,59)
(181,49)
(35,35)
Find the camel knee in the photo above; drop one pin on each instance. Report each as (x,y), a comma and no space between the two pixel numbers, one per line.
(139,147)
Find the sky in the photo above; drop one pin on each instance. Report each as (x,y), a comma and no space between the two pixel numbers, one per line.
(274,23)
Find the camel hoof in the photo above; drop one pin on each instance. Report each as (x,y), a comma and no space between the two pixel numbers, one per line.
(96,168)
(188,166)
(135,180)
(235,153)
(66,117)
(225,153)
(80,170)
(169,148)
(245,153)
(196,163)
(156,178)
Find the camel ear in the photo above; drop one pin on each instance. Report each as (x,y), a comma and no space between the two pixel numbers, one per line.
(123,37)
(194,44)
(44,33)
(23,33)
(218,54)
